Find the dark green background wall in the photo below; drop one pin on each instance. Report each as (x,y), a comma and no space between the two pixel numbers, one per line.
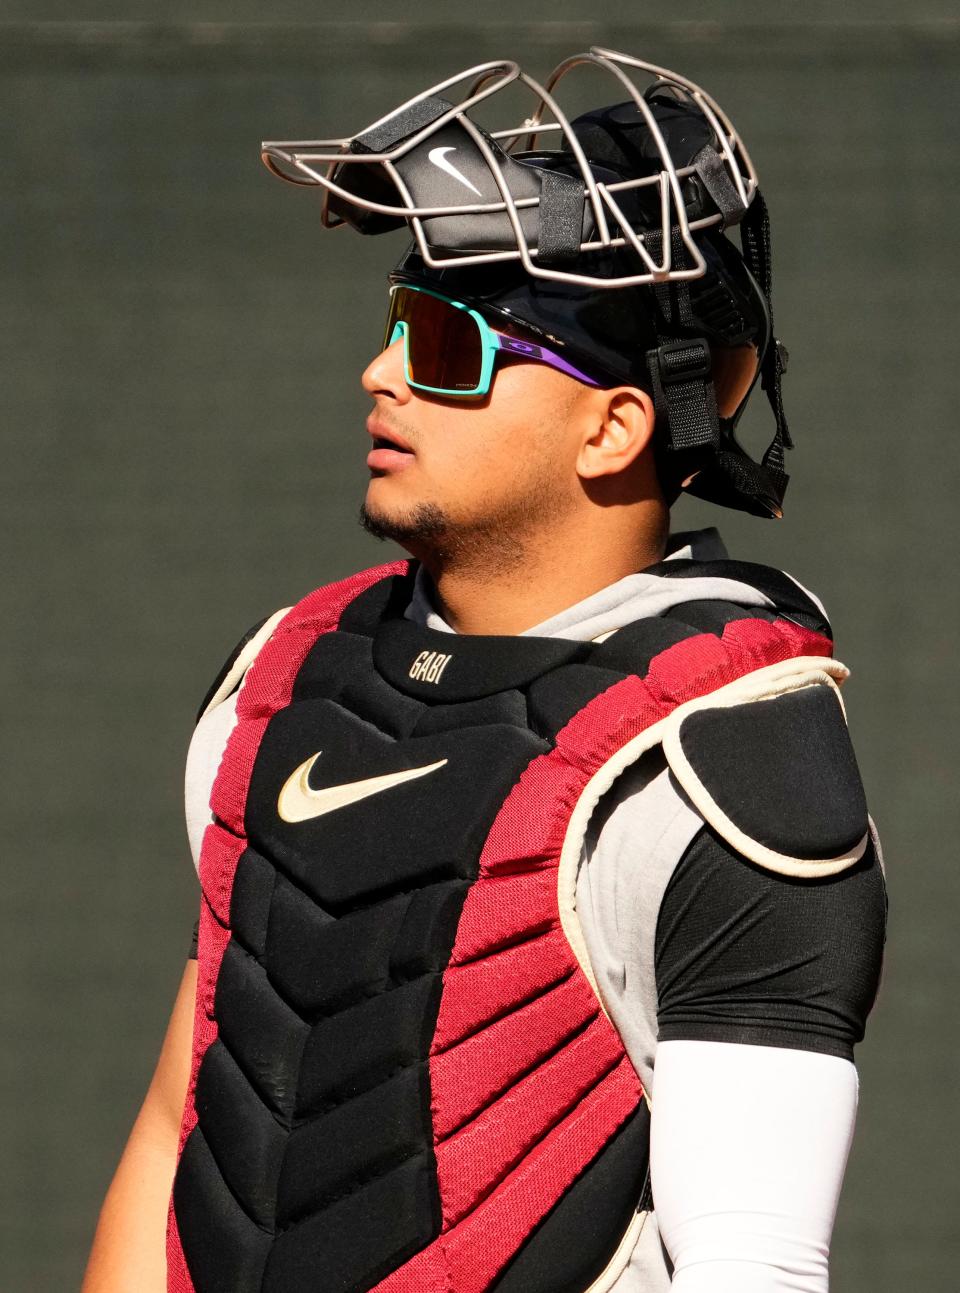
(183,453)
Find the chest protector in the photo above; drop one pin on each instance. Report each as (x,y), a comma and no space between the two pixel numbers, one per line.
(403,1078)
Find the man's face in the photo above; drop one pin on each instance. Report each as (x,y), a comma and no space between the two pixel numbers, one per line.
(448,475)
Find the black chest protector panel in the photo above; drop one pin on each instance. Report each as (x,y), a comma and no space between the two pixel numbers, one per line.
(403,1079)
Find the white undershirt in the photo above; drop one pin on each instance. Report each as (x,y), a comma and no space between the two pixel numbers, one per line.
(748,1143)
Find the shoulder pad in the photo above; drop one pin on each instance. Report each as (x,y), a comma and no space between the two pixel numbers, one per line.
(776,777)
(239,661)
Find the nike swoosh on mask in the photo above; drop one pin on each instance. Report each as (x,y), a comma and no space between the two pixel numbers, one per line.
(439,158)
(299,802)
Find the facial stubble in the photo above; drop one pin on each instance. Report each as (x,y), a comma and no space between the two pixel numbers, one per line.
(496,538)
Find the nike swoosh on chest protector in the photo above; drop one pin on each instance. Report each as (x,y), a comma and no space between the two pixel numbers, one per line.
(298,801)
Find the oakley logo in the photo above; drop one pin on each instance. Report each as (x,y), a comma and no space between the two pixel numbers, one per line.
(520,347)
(429,666)
(299,802)
(439,158)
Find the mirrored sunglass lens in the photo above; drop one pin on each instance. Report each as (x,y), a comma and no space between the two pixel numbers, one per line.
(393,318)
(444,345)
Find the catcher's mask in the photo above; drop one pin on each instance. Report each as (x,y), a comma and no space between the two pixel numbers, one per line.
(610,243)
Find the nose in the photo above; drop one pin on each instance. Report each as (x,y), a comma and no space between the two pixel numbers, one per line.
(384,374)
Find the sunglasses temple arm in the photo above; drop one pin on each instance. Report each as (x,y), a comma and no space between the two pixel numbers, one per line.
(514,346)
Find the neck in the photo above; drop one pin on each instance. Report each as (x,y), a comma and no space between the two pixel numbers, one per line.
(479,590)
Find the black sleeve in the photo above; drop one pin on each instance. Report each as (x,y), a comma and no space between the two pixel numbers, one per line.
(192,954)
(747,955)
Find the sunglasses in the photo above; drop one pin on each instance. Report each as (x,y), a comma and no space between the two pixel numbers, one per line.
(450,349)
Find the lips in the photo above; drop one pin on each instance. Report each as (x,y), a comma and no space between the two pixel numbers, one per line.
(390,451)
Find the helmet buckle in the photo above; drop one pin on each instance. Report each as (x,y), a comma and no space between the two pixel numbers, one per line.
(683,361)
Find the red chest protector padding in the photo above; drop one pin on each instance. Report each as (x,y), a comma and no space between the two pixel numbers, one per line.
(402,1078)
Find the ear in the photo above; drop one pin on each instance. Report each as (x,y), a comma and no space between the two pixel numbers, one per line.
(620,424)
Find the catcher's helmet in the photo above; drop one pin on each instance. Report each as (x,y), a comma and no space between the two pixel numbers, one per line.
(611,244)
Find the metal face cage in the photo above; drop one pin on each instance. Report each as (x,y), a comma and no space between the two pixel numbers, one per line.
(666,253)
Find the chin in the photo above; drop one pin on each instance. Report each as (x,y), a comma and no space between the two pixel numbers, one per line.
(409,526)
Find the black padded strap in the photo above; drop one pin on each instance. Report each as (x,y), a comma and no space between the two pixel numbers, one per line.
(561,218)
(680,370)
(683,391)
(389,133)
(673,299)
(713,172)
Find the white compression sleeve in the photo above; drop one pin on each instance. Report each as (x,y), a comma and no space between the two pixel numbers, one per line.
(748,1150)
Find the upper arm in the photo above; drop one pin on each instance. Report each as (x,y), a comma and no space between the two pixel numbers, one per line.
(163,1106)
(748,955)
(128,1250)
(768,950)
(771,929)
